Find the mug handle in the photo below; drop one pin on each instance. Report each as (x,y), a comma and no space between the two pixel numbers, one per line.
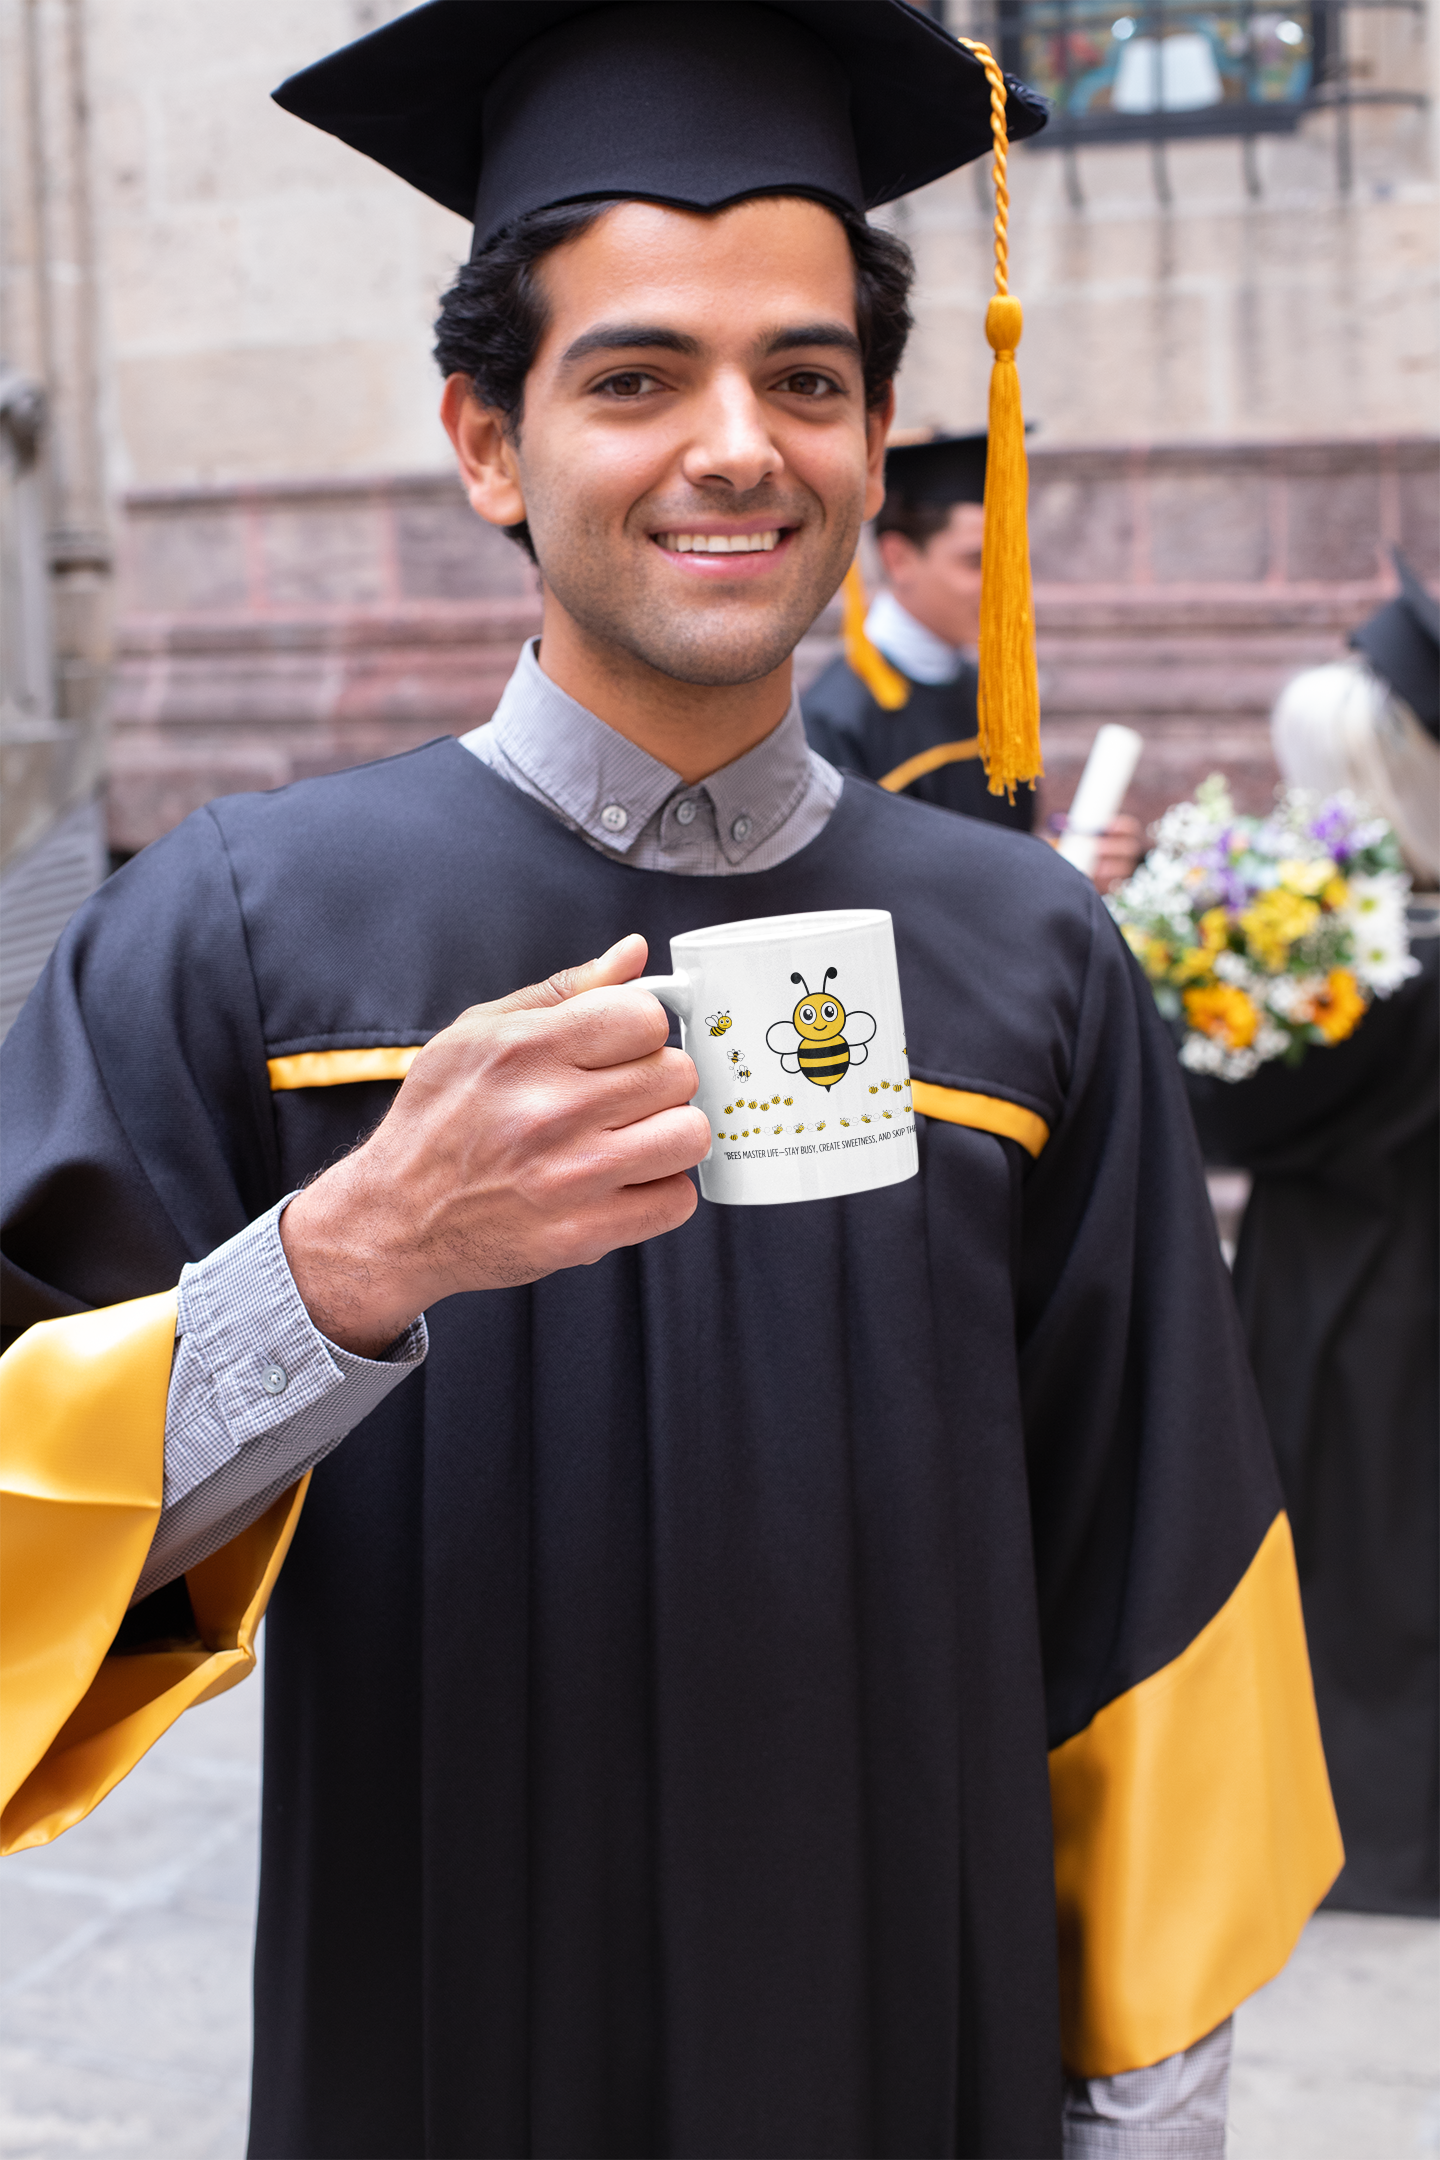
(676,991)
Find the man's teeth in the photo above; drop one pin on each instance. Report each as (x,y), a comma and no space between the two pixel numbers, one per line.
(759,543)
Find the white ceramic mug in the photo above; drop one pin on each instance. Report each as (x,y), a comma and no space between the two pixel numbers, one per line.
(795,1027)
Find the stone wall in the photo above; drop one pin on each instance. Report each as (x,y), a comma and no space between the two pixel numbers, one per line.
(270,632)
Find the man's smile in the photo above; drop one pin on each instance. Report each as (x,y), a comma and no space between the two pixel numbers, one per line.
(712,551)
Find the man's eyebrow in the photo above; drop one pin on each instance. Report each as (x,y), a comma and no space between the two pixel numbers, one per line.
(832,334)
(628,337)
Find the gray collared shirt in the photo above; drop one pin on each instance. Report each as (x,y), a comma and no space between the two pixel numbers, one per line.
(258,1396)
(750,815)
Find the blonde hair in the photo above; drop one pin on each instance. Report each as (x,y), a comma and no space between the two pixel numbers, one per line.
(1341,726)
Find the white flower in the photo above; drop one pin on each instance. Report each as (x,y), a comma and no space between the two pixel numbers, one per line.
(1374,914)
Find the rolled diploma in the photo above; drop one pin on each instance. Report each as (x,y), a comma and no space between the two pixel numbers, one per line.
(1109,769)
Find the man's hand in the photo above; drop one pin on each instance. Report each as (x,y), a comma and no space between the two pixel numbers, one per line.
(537,1133)
(1117,851)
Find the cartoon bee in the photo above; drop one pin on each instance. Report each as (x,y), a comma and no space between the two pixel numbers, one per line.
(821,1126)
(874,1091)
(844,1121)
(864,1121)
(737,1059)
(789,1101)
(819,1040)
(718,1022)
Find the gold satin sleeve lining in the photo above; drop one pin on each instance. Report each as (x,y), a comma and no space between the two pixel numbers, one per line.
(928,761)
(985,1113)
(1194,1831)
(337,1068)
(82,1473)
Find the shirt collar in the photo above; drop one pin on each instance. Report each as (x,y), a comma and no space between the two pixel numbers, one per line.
(908,645)
(611,789)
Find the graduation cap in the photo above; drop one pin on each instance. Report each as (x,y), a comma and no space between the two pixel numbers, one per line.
(496,108)
(1402,644)
(933,469)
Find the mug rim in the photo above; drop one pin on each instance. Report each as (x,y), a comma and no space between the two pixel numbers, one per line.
(772,929)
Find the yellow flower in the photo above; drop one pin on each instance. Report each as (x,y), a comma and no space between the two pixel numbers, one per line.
(1335,894)
(1192,962)
(1214,929)
(1307,878)
(1223,1012)
(1274,922)
(1339,1008)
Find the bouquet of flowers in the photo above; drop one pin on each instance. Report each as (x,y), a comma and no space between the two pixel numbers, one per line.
(1263,936)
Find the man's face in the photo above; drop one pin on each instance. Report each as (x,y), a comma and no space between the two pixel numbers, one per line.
(939,584)
(694,454)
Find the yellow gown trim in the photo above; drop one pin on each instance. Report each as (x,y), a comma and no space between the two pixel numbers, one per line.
(337,1068)
(82,1469)
(928,761)
(985,1113)
(1194,1831)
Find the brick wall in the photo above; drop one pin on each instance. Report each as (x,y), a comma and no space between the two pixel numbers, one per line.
(270,632)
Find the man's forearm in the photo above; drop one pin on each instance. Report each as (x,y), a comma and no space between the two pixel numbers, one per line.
(257,1397)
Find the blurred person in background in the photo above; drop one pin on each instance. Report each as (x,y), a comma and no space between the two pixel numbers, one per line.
(1336,1273)
(912,725)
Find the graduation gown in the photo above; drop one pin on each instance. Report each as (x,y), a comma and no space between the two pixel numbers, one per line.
(1338,1280)
(928,749)
(660,1682)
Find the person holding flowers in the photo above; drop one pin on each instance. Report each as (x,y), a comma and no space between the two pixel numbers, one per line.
(1300,970)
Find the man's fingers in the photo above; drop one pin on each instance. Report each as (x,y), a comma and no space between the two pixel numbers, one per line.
(621,964)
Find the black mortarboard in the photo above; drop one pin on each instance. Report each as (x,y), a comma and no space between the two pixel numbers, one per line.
(938,470)
(498,107)
(1402,644)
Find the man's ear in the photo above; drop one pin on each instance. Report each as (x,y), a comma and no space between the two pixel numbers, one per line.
(897,552)
(483,452)
(877,427)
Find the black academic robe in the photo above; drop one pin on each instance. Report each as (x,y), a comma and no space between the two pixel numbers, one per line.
(659,1685)
(847,725)
(1338,1276)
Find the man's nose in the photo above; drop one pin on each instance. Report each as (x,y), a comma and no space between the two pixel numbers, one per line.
(732,441)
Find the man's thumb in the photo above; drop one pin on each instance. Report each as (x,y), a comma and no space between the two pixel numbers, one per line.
(621,964)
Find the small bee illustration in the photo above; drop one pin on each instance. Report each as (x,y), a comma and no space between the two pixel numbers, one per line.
(729,1109)
(885,1113)
(874,1091)
(789,1100)
(799,1128)
(864,1120)
(778,1128)
(821,1126)
(844,1121)
(819,1039)
(737,1059)
(718,1022)
(884,1083)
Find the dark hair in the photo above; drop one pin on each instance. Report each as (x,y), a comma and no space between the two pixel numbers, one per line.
(492,319)
(916,522)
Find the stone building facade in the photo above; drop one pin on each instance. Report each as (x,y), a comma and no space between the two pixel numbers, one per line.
(1231,352)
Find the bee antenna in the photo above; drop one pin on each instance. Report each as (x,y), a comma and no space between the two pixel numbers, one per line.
(802,982)
(828,973)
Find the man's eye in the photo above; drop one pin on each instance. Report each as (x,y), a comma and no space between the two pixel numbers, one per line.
(807,384)
(632,384)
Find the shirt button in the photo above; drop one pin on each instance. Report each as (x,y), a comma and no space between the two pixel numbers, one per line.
(742,828)
(274,1379)
(685,811)
(614,817)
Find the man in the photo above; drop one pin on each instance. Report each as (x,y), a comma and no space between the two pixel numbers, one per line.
(660,1679)
(915,732)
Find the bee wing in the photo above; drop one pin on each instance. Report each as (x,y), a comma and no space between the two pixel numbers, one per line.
(858,1053)
(859,1028)
(784,1040)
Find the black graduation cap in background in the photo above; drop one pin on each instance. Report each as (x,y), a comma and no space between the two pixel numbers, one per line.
(498,107)
(937,470)
(1402,644)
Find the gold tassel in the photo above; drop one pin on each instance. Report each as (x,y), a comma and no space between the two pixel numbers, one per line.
(1009,690)
(886,685)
